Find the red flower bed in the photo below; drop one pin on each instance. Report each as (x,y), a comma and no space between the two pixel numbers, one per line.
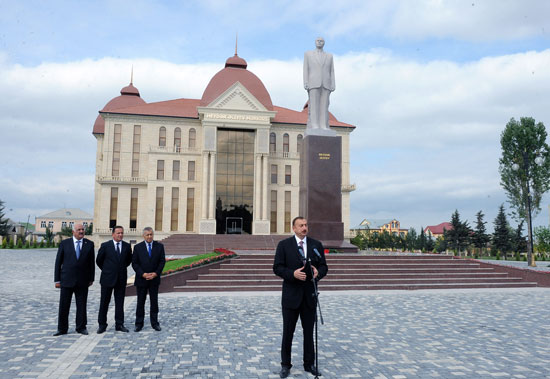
(224,254)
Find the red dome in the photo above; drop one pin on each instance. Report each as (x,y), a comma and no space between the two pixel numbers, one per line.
(129,97)
(235,71)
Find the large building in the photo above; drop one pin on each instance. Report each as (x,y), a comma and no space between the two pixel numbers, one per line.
(376,226)
(226,163)
(62,218)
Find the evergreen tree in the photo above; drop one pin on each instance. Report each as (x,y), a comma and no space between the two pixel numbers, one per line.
(479,237)
(421,241)
(430,244)
(458,238)
(501,236)
(519,243)
(411,239)
(4,227)
(48,236)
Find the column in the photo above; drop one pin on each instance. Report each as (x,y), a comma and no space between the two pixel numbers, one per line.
(212,186)
(204,187)
(264,189)
(258,188)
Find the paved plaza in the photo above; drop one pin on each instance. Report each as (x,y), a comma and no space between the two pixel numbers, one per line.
(497,333)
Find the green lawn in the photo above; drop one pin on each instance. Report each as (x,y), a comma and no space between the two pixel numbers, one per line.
(172,265)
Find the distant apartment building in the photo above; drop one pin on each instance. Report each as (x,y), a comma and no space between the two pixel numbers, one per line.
(65,217)
(391,226)
(435,231)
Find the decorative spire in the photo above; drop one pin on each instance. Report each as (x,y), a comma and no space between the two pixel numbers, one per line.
(132,76)
(236,41)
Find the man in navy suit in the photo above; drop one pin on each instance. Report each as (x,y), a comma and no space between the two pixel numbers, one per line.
(148,261)
(74,273)
(112,258)
(291,263)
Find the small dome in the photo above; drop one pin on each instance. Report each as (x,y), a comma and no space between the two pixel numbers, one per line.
(235,71)
(129,97)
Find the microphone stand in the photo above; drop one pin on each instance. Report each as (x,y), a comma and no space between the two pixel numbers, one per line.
(316,296)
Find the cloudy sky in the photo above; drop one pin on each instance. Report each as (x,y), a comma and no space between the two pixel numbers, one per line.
(429,84)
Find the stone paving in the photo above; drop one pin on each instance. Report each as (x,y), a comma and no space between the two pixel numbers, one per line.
(498,333)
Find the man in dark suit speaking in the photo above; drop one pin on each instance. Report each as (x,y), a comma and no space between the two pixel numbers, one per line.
(148,261)
(112,258)
(292,263)
(74,273)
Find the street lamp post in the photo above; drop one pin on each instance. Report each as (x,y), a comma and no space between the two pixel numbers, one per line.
(526,166)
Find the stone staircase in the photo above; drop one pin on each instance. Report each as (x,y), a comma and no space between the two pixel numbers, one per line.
(192,244)
(356,272)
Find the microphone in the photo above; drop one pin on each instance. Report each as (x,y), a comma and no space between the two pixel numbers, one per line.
(316,252)
(302,254)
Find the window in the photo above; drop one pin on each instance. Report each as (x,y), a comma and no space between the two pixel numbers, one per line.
(133,207)
(273,174)
(85,225)
(135,151)
(42,224)
(114,205)
(288,174)
(63,224)
(175,206)
(177,140)
(190,209)
(287,211)
(299,142)
(272,143)
(162,136)
(160,169)
(192,137)
(50,224)
(158,208)
(116,150)
(176,170)
(191,170)
(273,219)
(285,143)
(71,224)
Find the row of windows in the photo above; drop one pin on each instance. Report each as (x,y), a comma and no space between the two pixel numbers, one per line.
(286,142)
(159,208)
(274,210)
(176,170)
(288,174)
(191,142)
(63,224)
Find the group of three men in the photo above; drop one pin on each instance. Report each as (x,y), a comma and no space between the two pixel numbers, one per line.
(75,272)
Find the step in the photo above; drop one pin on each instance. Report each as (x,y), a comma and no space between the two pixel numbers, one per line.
(331,275)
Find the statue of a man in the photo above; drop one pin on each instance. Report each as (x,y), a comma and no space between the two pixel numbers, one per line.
(319,83)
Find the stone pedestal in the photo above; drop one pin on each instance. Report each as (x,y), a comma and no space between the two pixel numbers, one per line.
(321,188)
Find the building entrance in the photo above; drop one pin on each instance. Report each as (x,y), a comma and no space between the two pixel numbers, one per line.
(234,180)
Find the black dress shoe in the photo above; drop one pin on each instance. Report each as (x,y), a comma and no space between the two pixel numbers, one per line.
(157,328)
(285,372)
(121,328)
(59,333)
(101,329)
(138,328)
(312,370)
(83,331)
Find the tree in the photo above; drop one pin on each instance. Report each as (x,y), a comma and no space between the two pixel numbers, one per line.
(4,226)
(479,237)
(48,235)
(542,239)
(519,243)
(66,231)
(519,140)
(458,237)
(89,229)
(501,236)
(421,240)
(410,240)
(430,244)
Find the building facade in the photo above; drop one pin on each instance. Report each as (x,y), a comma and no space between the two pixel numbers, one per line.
(436,231)
(392,226)
(61,218)
(226,163)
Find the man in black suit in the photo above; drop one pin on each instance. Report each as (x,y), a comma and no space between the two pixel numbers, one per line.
(148,261)
(293,259)
(112,258)
(74,273)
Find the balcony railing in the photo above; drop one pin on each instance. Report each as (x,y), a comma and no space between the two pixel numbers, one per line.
(348,187)
(284,154)
(173,149)
(121,180)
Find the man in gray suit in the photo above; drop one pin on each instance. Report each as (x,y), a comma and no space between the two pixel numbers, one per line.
(319,82)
